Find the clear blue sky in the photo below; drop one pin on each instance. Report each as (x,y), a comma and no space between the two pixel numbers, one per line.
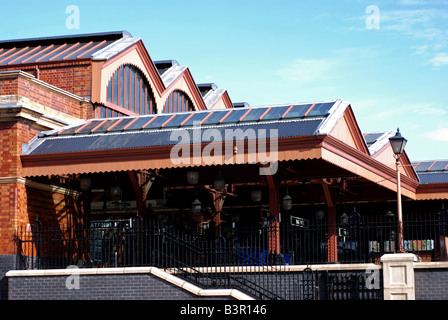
(285,51)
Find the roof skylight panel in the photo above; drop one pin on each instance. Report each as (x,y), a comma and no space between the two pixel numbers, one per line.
(275,113)
(439,166)
(234,116)
(297,111)
(195,119)
(254,114)
(214,117)
(121,125)
(177,120)
(320,109)
(157,122)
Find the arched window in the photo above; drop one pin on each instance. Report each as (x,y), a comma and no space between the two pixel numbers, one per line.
(178,101)
(129,89)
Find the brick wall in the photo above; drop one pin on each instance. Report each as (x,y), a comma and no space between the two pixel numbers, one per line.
(74,77)
(7,262)
(37,92)
(431,284)
(53,208)
(15,130)
(96,287)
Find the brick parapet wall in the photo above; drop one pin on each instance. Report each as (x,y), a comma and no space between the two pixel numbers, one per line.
(45,94)
(73,76)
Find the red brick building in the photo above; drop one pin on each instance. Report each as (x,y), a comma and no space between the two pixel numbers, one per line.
(97,105)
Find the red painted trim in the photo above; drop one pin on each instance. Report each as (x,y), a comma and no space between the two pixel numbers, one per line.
(206,117)
(15,53)
(93,48)
(40,52)
(155,78)
(119,109)
(358,157)
(244,115)
(262,116)
(82,127)
(7,51)
(98,125)
(32,50)
(188,118)
(170,118)
(77,50)
(130,124)
(151,120)
(51,52)
(114,124)
(64,51)
(227,114)
(286,112)
(431,165)
(309,109)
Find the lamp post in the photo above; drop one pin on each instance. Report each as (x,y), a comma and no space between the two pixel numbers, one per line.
(398,142)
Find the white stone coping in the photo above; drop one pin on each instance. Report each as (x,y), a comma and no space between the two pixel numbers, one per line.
(431,265)
(132,270)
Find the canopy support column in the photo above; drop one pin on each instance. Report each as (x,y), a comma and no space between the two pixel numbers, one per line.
(141,182)
(332,241)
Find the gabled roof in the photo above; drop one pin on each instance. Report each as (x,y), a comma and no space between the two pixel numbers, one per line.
(377,140)
(99,46)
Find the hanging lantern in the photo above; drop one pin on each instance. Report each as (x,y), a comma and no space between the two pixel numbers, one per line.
(115,189)
(192,176)
(287,202)
(255,195)
(344,218)
(219,183)
(320,214)
(196,206)
(85,183)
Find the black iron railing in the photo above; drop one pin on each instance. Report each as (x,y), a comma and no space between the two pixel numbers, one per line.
(255,260)
(134,243)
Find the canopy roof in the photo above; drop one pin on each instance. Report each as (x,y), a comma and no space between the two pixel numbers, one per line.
(156,130)
(432,171)
(62,48)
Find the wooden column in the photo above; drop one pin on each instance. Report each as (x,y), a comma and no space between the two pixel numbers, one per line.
(273,183)
(218,201)
(332,228)
(141,182)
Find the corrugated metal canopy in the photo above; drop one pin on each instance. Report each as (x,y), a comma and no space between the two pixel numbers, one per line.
(158,130)
(432,171)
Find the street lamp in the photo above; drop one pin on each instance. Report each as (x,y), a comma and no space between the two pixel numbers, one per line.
(398,142)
